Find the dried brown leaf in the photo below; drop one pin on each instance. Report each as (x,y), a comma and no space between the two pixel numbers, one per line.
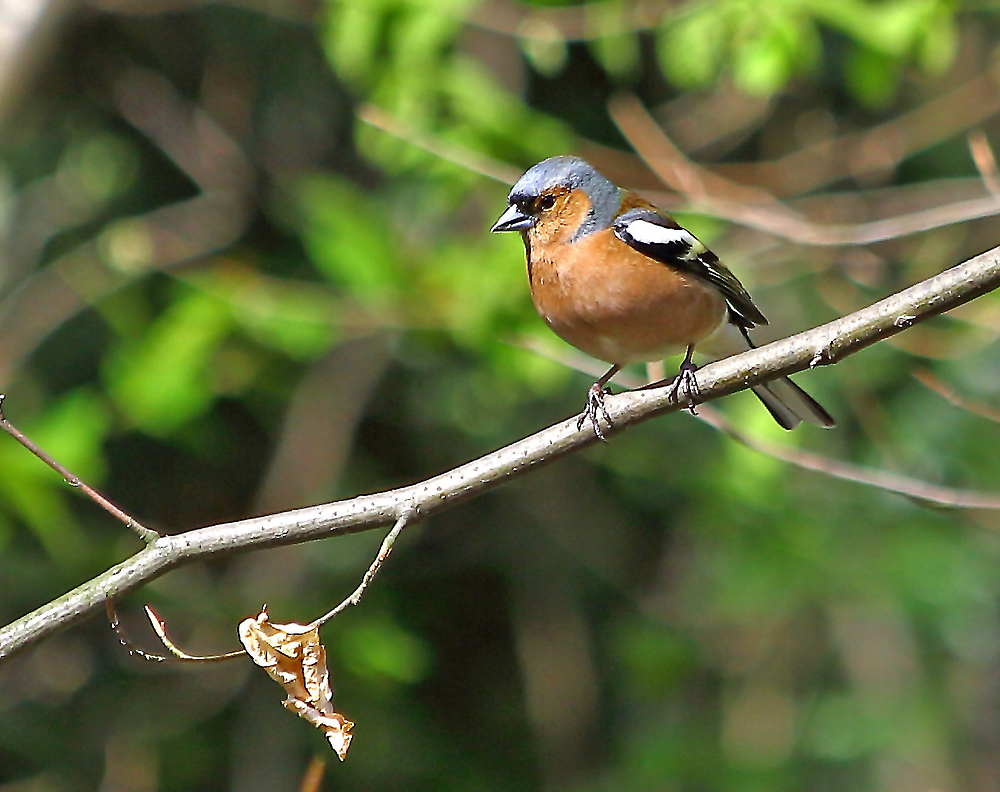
(294,657)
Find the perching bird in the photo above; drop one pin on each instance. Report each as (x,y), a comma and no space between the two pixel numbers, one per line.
(620,280)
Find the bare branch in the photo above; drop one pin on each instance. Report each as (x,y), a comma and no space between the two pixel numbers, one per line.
(706,191)
(986,161)
(699,185)
(820,346)
(383,553)
(148,535)
(449,152)
(950,395)
(925,491)
(178,654)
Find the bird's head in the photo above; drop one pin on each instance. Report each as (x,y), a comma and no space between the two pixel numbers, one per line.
(564,193)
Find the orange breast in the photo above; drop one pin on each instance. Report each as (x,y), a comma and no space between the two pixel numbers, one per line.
(617,305)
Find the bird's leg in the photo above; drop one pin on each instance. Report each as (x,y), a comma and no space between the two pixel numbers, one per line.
(685,381)
(595,404)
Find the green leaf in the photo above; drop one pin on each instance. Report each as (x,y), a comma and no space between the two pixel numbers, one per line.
(379,648)
(691,48)
(352,36)
(872,77)
(350,239)
(545,48)
(298,318)
(163,380)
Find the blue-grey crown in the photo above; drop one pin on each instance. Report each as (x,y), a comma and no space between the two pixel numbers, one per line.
(572,173)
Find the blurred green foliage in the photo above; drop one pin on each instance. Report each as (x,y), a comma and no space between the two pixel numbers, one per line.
(766,45)
(247,268)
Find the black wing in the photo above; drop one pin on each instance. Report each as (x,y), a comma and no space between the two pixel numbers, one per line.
(660,238)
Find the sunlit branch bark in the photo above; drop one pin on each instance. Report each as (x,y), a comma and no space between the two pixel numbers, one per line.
(820,346)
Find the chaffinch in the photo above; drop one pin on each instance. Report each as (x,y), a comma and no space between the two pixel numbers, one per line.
(620,280)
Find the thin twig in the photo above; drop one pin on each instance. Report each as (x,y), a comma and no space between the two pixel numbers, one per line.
(148,535)
(160,628)
(847,471)
(383,553)
(950,395)
(805,232)
(986,161)
(178,655)
(698,185)
(312,779)
(449,152)
(131,648)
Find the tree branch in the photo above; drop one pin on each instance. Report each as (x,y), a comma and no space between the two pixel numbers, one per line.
(146,534)
(823,345)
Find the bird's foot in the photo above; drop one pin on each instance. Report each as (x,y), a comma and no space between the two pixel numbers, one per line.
(685,383)
(595,409)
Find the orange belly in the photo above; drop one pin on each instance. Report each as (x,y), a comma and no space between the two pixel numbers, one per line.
(625,309)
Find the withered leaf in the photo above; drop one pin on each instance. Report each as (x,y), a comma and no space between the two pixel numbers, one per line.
(294,657)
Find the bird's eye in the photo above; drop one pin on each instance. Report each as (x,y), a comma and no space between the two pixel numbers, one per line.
(546,202)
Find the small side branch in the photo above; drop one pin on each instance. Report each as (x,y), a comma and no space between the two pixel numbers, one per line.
(148,535)
(929,493)
(383,553)
(178,654)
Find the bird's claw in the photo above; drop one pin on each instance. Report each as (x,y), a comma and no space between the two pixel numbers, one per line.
(685,383)
(595,409)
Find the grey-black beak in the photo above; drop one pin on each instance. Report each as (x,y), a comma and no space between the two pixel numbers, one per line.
(513,220)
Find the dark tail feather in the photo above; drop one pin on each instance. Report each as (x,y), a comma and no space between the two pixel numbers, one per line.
(789,405)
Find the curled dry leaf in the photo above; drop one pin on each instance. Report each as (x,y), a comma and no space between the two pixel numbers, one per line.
(294,657)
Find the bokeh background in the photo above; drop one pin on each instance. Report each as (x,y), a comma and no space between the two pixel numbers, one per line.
(245,267)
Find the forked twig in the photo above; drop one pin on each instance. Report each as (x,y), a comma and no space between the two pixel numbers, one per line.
(178,655)
(148,535)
